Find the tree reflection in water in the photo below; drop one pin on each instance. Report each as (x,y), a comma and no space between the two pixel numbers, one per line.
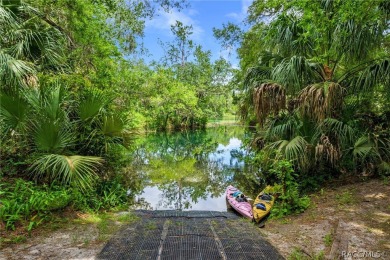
(189,170)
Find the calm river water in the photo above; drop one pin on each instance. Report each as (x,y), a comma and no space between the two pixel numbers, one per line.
(190,170)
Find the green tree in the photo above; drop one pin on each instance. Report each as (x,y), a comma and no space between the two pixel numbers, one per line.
(192,66)
(173,104)
(178,52)
(312,72)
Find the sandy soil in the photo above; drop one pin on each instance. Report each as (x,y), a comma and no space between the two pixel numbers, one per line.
(78,242)
(81,237)
(364,207)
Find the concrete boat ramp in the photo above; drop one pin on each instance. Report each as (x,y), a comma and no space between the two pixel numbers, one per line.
(185,235)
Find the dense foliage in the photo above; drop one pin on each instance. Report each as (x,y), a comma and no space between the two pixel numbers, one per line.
(71,92)
(315,80)
(23,202)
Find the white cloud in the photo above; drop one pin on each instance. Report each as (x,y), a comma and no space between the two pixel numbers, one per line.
(192,12)
(164,21)
(240,16)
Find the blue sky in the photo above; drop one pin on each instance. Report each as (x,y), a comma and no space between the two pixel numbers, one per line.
(203,15)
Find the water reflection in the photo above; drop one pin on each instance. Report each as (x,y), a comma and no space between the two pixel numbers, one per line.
(188,171)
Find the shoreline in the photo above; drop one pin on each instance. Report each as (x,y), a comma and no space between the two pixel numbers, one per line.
(363,206)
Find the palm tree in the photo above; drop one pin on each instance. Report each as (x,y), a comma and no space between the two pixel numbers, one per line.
(28,44)
(309,76)
(38,117)
(61,135)
(98,126)
(64,139)
(43,121)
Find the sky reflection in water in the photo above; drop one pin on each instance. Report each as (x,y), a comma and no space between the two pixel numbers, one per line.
(202,167)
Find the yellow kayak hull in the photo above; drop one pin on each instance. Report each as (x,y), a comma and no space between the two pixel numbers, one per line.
(259,212)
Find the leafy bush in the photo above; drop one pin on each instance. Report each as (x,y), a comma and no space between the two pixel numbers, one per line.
(107,194)
(289,200)
(23,201)
(66,135)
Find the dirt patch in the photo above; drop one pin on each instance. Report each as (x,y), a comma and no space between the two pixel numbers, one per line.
(76,243)
(83,238)
(364,207)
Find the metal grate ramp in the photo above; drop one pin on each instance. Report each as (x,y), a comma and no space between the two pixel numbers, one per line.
(185,214)
(187,235)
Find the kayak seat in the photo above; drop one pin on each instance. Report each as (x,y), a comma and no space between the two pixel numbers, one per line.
(241,199)
(261,206)
(265,197)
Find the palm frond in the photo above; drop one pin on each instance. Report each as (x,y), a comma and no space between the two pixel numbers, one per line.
(53,136)
(295,150)
(342,131)
(7,19)
(75,170)
(268,98)
(326,150)
(48,101)
(268,59)
(288,37)
(262,72)
(370,150)
(92,104)
(364,148)
(307,128)
(113,125)
(44,46)
(52,51)
(28,45)
(26,38)
(384,148)
(13,112)
(256,76)
(284,126)
(312,101)
(377,73)
(355,41)
(327,5)
(322,100)
(295,72)
(14,72)
(279,145)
